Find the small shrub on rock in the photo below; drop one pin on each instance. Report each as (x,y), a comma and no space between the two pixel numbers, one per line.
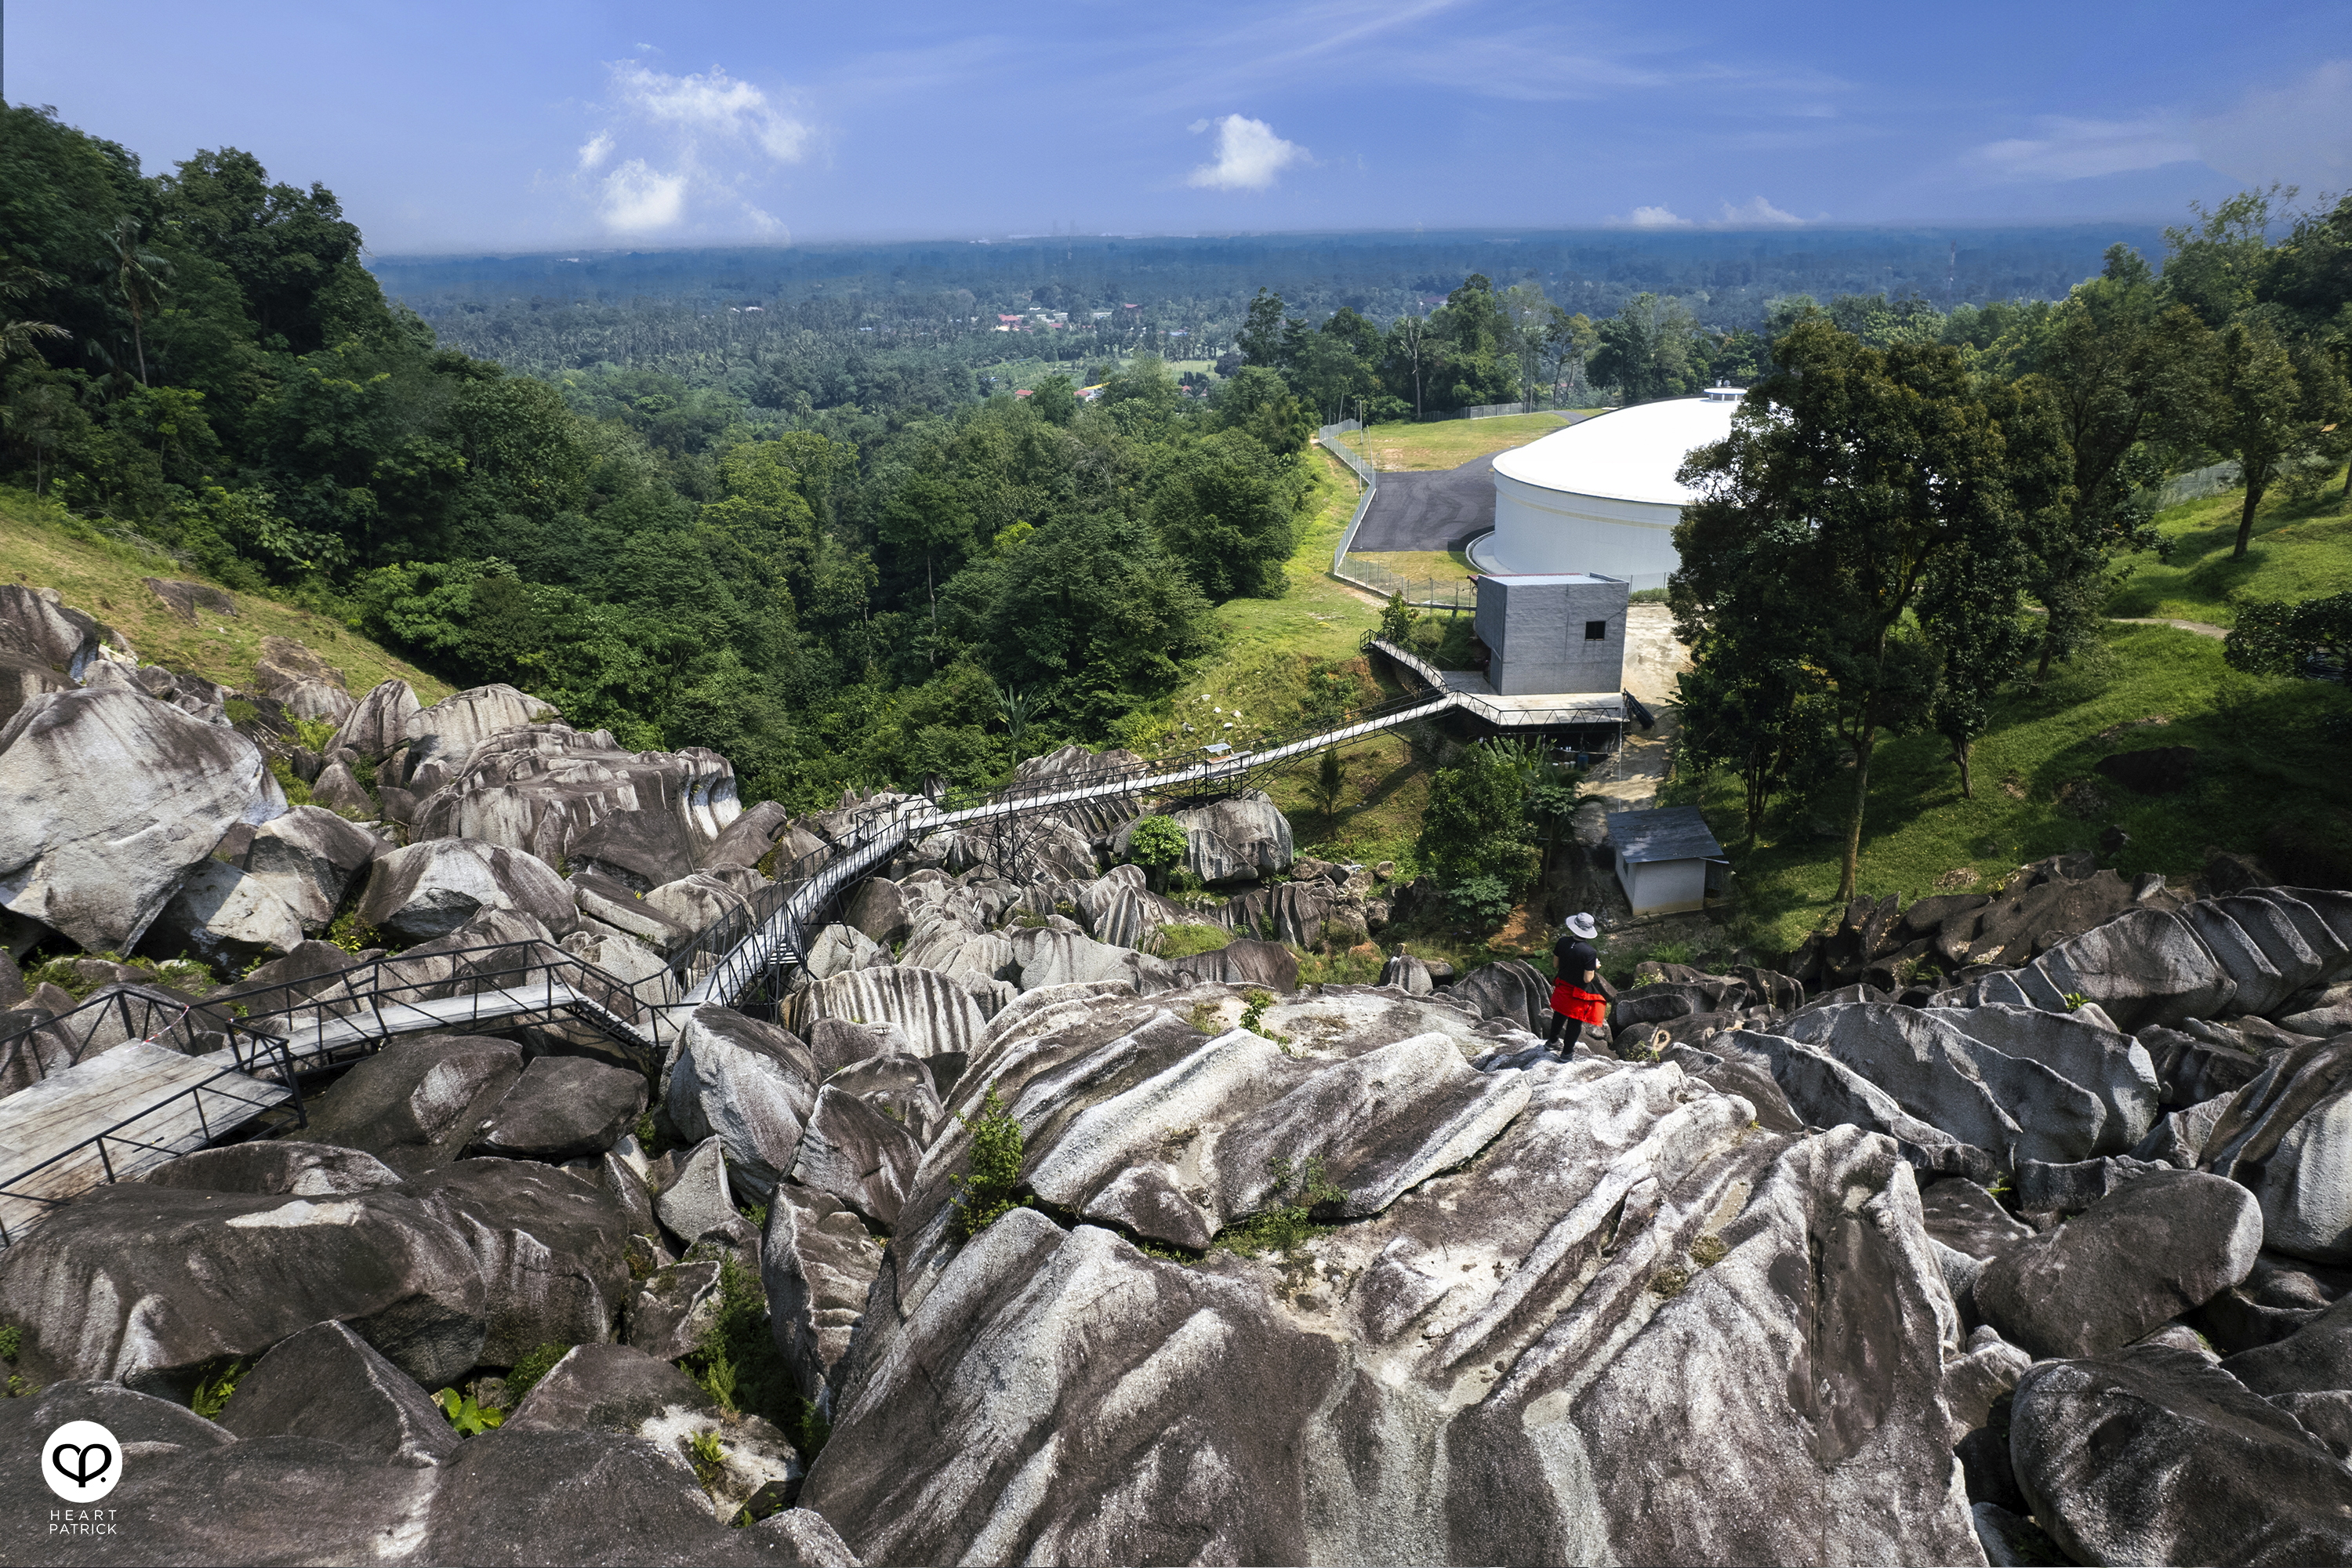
(536,1363)
(986,1195)
(1288,1222)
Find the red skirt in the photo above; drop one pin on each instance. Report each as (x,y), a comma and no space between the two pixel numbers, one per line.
(1582,1006)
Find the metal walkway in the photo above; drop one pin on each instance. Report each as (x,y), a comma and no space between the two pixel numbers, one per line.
(133,1079)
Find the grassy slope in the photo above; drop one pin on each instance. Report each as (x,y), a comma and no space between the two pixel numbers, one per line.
(2300,550)
(2262,769)
(101,577)
(1450,443)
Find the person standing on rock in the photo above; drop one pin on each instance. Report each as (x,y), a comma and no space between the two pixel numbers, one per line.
(1576,997)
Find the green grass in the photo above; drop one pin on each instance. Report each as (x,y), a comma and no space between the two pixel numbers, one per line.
(1439,567)
(2266,784)
(2301,549)
(45,547)
(1184,941)
(1450,443)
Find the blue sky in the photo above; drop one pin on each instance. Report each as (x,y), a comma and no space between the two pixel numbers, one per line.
(529,126)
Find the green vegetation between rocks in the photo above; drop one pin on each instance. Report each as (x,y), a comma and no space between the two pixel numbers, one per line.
(986,1195)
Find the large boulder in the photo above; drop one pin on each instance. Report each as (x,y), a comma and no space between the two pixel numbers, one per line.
(817,1263)
(562,1108)
(2258,945)
(21,680)
(857,1154)
(552,1250)
(379,725)
(1946,1079)
(1267,966)
(539,786)
(2154,1455)
(1243,838)
(1046,957)
(1633,1328)
(1826,1092)
(2287,1138)
(328,1383)
(108,799)
(298,680)
(36,627)
(418,1102)
(747,1084)
(431,889)
(450,730)
(2158,1246)
(938,1016)
(144,1285)
(763,830)
(700,899)
(310,859)
(2108,1063)
(225,918)
(2145,966)
(1509,989)
(878,910)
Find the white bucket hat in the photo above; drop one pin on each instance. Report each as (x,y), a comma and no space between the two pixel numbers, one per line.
(1581,925)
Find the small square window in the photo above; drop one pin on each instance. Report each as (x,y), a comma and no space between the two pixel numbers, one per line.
(1596,631)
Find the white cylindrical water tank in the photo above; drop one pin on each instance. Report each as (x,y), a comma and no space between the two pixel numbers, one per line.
(1601,496)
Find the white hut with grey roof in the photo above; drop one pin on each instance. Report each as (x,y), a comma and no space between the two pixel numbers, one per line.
(1666,859)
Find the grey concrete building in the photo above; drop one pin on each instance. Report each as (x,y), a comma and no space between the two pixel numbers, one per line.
(1558,632)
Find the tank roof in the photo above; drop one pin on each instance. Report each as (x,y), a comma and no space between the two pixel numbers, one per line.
(1627,454)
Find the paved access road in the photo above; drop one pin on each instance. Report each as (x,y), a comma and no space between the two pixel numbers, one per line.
(1442,508)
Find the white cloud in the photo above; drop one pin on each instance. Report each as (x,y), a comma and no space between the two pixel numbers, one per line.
(1652,217)
(2083,149)
(688,154)
(1757,214)
(641,199)
(2301,133)
(716,104)
(1249,155)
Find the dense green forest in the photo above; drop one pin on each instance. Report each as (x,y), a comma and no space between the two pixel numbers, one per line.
(200,357)
(823,551)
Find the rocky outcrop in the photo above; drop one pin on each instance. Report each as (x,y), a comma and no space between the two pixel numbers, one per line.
(225,918)
(1592,1294)
(417,1103)
(433,887)
(310,859)
(747,1084)
(938,1016)
(817,1263)
(379,725)
(1047,958)
(292,676)
(561,1108)
(329,1383)
(2132,1261)
(99,863)
(857,1154)
(1243,961)
(38,629)
(539,786)
(2154,1455)
(448,732)
(2287,1138)
(1243,838)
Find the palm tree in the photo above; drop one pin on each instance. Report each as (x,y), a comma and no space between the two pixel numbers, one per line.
(17,337)
(141,273)
(1328,784)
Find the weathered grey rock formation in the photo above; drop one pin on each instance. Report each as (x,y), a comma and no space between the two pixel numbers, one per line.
(2134,1260)
(99,863)
(2153,1454)
(2077,1046)
(1595,1290)
(857,1154)
(561,1108)
(328,1383)
(433,886)
(536,786)
(1241,839)
(37,628)
(2145,966)
(749,1085)
(938,1015)
(310,859)
(379,725)
(291,675)
(223,916)
(418,1102)
(2287,1138)
(817,1263)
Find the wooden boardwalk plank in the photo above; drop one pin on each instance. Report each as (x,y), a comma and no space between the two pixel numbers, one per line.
(145,1087)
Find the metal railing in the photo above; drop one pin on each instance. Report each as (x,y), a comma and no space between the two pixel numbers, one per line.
(1457,594)
(343,1014)
(9,1189)
(33,1045)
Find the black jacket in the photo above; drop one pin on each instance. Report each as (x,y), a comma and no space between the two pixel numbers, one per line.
(1575,958)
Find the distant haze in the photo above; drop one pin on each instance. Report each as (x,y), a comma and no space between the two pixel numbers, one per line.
(526,127)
